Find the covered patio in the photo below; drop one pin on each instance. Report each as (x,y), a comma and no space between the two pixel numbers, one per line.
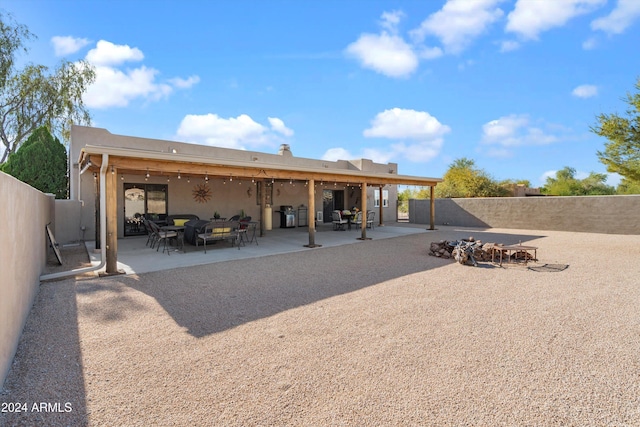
(134,257)
(111,158)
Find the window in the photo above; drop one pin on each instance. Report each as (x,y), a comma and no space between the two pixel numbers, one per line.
(385,198)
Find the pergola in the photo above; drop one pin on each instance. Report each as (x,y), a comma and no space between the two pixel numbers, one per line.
(108,162)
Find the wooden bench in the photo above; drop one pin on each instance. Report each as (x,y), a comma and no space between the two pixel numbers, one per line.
(220,230)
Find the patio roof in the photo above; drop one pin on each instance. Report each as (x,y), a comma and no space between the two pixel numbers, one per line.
(136,161)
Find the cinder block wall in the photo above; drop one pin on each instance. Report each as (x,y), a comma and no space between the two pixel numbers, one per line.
(594,214)
(24,213)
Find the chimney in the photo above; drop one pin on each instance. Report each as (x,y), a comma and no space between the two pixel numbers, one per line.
(285,150)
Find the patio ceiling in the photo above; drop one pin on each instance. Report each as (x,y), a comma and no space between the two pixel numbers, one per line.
(134,161)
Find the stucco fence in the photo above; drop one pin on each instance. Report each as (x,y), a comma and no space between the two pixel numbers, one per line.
(24,213)
(592,214)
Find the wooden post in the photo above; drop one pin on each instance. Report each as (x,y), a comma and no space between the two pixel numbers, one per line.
(363,197)
(263,205)
(381,205)
(432,206)
(311,215)
(112,221)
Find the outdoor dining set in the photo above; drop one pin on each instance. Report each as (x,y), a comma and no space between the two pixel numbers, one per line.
(173,232)
(345,217)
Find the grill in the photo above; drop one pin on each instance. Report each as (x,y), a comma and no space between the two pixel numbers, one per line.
(287,217)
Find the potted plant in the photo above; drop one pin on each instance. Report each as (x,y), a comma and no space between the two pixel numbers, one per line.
(216,215)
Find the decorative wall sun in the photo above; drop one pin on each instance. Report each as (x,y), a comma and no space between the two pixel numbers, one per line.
(201,193)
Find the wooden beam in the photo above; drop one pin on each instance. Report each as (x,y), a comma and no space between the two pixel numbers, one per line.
(129,165)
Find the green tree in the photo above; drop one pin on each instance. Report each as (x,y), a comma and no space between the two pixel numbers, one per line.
(40,162)
(565,183)
(463,179)
(622,152)
(628,187)
(34,96)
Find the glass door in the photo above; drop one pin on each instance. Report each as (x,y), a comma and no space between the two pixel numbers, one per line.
(331,200)
(142,199)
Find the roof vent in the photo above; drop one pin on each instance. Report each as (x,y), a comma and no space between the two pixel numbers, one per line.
(285,150)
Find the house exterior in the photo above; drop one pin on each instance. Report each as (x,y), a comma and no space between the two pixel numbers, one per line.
(158,177)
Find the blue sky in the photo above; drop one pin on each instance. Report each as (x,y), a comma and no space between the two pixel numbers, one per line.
(512,84)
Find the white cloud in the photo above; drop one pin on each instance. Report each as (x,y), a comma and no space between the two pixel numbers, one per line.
(278,126)
(418,137)
(107,53)
(459,22)
(531,17)
(114,87)
(430,52)
(390,20)
(423,130)
(66,45)
(620,18)
(235,132)
(184,83)
(335,154)
(384,53)
(514,131)
(585,91)
(400,123)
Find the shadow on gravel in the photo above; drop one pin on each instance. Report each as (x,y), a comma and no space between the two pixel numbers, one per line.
(207,299)
(46,377)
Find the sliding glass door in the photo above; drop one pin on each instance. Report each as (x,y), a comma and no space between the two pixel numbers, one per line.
(139,200)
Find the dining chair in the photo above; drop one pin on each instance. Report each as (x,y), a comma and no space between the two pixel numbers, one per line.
(371,216)
(358,220)
(162,236)
(338,221)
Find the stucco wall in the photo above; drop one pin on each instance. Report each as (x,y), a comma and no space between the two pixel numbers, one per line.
(227,198)
(24,212)
(595,214)
(68,225)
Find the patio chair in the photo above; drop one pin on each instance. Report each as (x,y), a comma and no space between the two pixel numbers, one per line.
(338,221)
(162,236)
(371,216)
(150,234)
(357,220)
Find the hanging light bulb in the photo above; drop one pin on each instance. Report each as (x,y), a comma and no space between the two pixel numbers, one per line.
(147,176)
(206,177)
(179,177)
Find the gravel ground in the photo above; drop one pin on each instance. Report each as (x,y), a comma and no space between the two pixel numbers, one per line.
(377,333)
